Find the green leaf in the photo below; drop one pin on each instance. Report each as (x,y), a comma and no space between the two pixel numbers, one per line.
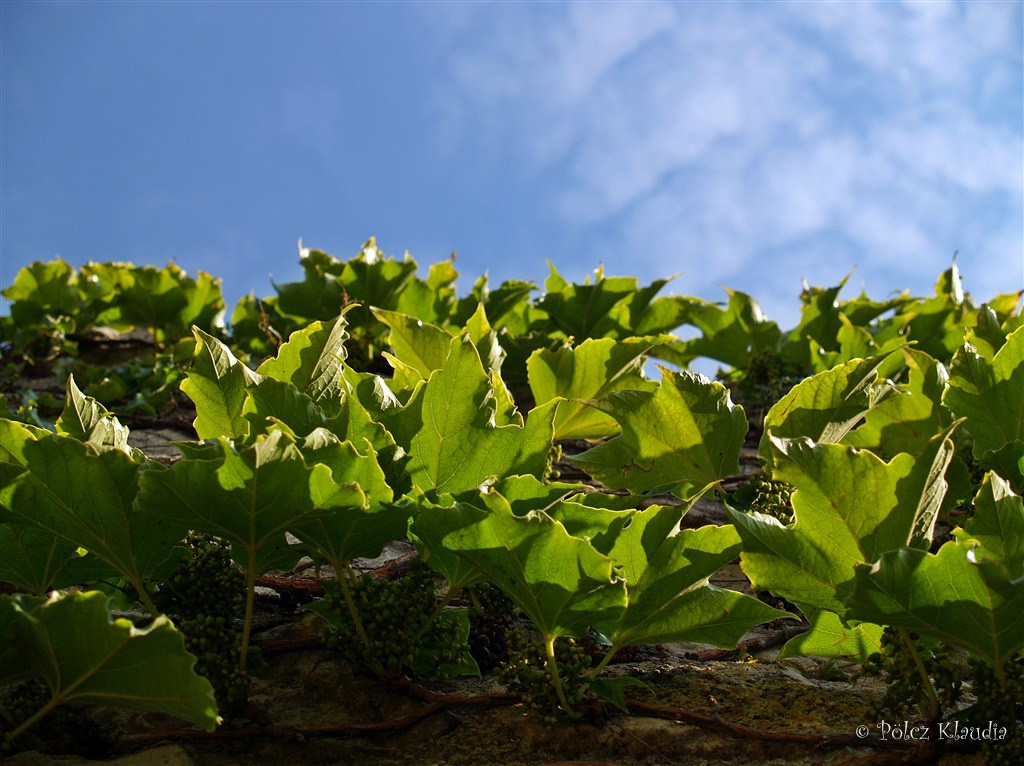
(856,342)
(832,636)
(32,558)
(610,689)
(1008,462)
(43,288)
(428,531)
(559,581)
(364,519)
(248,496)
(432,299)
(508,307)
(313,361)
(584,311)
(528,493)
(66,488)
(850,507)
(826,407)
(937,324)
(85,657)
(685,435)
(997,527)
(669,598)
(732,334)
(316,297)
(819,324)
(591,370)
(990,394)
(951,595)
(421,346)
(216,384)
(87,420)
(453,440)
(911,416)
(269,400)
(485,338)
(987,336)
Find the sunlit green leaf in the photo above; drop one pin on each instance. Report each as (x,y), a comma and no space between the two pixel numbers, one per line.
(832,636)
(453,440)
(591,370)
(87,420)
(216,384)
(669,598)
(850,507)
(685,434)
(312,360)
(826,407)
(990,393)
(559,581)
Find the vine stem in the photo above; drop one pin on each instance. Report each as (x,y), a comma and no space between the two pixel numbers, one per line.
(933,703)
(250,601)
(596,670)
(145,598)
(556,680)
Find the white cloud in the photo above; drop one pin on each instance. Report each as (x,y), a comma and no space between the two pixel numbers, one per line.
(714,137)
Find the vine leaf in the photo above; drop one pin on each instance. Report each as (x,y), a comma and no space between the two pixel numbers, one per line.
(84,497)
(421,346)
(87,420)
(428,531)
(910,417)
(361,523)
(950,595)
(997,527)
(71,642)
(32,558)
(669,598)
(825,407)
(559,581)
(732,334)
(450,430)
(990,394)
(216,384)
(832,636)
(684,435)
(850,507)
(313,361)
(248,496)
(591,370)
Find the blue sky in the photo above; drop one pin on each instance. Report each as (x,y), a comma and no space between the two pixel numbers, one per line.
(748,145)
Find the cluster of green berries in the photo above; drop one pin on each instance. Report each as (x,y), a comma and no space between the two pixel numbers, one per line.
(398,619)
(218,651)
(527,675)
(771,497)
(769,376)
(19,703)
(906,696)
(491,613)
(205,582)
(1002,705)
(204,594)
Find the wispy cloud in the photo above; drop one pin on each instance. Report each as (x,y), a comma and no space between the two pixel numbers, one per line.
(753,144)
